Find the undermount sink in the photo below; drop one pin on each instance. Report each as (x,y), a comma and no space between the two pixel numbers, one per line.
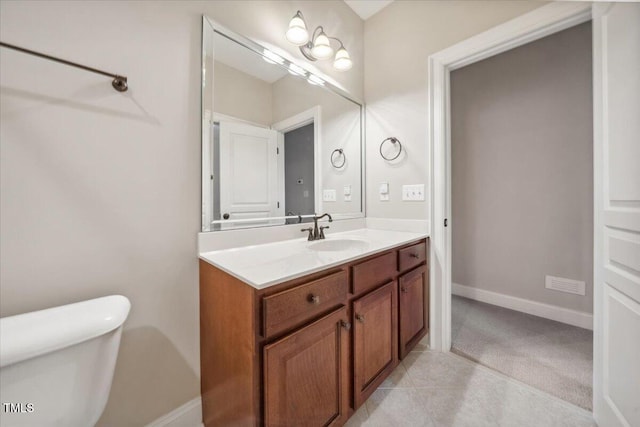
(336,245)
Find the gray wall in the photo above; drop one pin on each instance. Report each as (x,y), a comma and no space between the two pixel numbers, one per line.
(299,164)
(522,153)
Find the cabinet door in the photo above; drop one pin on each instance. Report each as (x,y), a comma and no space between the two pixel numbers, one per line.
(375,335)
(306,375)
(414,308)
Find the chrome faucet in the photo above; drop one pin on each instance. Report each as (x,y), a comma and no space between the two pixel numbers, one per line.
(316,233)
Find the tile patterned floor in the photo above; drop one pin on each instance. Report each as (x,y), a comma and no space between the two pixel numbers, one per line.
(442,389)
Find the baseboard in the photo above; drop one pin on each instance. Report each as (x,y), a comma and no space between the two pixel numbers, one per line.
(395,224)
(553,312)
(187,415)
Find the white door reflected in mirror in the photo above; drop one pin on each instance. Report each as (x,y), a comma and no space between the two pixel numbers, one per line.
(248,173)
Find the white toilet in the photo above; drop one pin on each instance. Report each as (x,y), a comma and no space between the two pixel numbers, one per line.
(56,365)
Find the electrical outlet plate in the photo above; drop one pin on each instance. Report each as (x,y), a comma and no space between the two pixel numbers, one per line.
(413,192)
(329,195)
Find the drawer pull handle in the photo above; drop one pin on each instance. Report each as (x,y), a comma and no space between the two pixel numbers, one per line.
(360,318)
(413,255)
(346,325)
(404,290)
(314,299)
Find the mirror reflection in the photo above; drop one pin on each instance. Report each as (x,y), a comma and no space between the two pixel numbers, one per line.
(278,143)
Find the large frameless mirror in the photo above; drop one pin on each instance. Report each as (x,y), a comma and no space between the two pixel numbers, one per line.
(278,142)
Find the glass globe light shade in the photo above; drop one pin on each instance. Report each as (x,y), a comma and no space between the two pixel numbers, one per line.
(342,61)
(297,32)
(321,48)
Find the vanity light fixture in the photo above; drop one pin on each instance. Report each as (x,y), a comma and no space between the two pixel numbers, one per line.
(319,45)
(297,32)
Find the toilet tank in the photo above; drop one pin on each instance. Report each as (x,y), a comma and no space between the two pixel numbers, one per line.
(56,365)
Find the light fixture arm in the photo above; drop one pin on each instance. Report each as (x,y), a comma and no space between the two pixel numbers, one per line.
(336,39)
(315,33)
(306,49)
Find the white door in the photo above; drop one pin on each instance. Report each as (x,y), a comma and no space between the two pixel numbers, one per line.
(248,173)
(616,54)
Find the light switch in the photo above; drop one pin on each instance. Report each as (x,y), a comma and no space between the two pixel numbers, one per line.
(305,193)
(384,191)
(329,195)
(346,192)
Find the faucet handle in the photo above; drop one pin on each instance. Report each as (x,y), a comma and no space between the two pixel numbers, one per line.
(322,231)
(310,230)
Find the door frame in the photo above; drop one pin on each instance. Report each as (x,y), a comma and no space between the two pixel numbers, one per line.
(526,28)
(312,115)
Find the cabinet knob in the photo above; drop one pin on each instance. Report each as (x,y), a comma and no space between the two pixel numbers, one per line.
(404,290)
(413,255)
(346,325)
(314,299)
(360,318)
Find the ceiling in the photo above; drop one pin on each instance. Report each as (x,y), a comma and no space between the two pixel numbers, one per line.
(367,8)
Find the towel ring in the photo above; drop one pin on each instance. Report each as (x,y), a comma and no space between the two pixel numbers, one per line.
(340,152)
(393,141)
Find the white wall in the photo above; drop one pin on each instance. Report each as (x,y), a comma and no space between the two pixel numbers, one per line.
(398,41)
(100,191)
(231,90)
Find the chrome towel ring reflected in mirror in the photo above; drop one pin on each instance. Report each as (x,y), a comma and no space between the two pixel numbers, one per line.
(335,159)
(394,141)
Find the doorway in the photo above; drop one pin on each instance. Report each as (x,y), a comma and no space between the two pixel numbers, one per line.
(299,173)
(616,54)
(522,210)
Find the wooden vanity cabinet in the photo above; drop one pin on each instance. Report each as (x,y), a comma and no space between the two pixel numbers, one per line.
(306,378)
(375,331)
(413,311)
(309,351)
(414,306)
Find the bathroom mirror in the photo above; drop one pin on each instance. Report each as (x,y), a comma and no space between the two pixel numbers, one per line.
(278,143)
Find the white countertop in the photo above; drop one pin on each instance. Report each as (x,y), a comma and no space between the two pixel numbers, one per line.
(265,265)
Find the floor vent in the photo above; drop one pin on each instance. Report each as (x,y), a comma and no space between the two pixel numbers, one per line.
(565,285)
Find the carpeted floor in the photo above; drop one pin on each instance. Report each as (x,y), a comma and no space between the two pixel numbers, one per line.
(551,356)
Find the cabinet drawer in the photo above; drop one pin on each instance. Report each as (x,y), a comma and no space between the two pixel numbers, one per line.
(374,272)
(295,306)
(412,256)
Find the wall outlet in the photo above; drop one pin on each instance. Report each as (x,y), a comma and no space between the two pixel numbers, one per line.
(413,192)
(329,195)
(384,192)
